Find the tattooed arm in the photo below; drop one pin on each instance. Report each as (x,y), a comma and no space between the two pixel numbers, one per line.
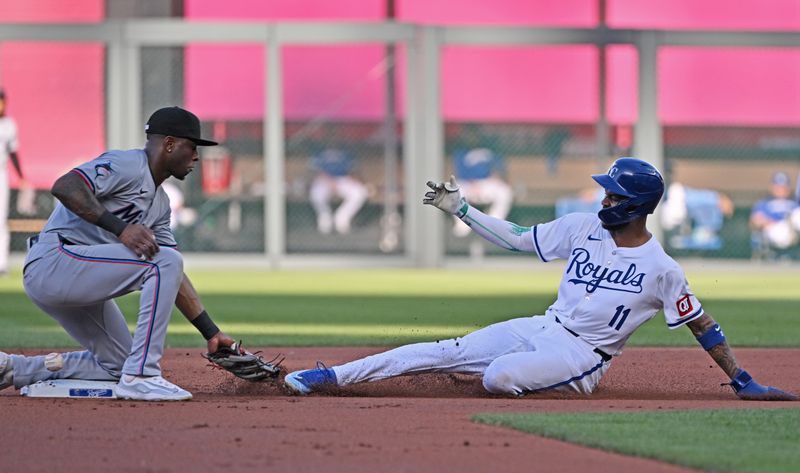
(71,190)
(710,336)
(75,195)
(721,353)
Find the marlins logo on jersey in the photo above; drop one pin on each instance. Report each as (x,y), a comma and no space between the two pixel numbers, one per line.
(103,169)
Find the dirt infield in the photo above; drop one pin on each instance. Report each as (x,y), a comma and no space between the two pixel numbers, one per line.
(414,424)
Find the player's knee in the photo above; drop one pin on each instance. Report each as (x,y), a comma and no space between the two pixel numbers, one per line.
(170,261)
(112,367)
(496,380)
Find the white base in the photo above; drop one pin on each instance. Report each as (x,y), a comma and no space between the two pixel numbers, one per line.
(72,388)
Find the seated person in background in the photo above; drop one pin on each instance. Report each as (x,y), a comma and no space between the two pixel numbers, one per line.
(776,219)
(333,166)
(696,215)
(480,172)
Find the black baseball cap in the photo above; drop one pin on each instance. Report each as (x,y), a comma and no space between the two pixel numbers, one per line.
(177,122)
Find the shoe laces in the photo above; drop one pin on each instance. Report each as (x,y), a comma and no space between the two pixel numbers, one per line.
(326,375)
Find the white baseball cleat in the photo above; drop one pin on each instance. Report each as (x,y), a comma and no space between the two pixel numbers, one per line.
(150,388)
(6,371)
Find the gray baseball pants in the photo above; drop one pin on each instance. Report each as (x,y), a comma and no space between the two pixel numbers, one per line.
(76,285)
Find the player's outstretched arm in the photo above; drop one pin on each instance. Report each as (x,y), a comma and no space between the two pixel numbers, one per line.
(188,302)
(710,336)
(223,352)
(447,197)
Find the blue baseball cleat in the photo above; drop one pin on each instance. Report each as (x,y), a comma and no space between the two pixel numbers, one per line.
(307,381)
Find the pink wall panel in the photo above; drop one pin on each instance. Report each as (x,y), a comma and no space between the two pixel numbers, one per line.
(284,9)
(78,11)
(520,84)
(507,84)
(224,81)
(337,81)
(55,92)
(227,82)
(622,84)
(729,86)
(572,13)
(705,14)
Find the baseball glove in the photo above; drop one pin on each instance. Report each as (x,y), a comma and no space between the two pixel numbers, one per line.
(243,364)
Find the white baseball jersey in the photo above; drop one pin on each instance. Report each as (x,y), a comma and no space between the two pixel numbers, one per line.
(122,183)
(8,145)
(607,291)
(8,139)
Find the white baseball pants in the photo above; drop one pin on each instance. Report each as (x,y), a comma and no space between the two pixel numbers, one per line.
(353,194)
(517,357)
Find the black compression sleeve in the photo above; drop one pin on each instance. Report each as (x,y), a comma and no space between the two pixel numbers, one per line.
(112,223)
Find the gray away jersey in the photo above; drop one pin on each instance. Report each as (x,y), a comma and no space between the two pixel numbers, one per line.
(122,182)
(607,291)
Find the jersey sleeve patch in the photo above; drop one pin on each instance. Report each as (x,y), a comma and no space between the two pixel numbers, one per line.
(684,306)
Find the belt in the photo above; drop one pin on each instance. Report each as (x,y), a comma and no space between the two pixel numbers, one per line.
(35,239)
(605,356)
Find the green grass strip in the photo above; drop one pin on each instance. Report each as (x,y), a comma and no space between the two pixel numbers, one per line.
(736,441)
(398,306)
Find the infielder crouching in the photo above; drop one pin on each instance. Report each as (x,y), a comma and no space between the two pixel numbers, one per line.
(617,277)
(108,236)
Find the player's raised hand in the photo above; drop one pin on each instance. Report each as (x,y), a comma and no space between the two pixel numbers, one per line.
(445,196)
(748,389)
(140,240)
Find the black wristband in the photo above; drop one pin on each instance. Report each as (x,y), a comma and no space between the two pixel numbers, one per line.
(205,325)
(112,223)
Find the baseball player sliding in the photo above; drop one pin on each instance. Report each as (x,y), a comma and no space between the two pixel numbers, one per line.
(109,235)
(617,277)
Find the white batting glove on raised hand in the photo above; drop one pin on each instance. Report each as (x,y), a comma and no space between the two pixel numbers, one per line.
(447,197)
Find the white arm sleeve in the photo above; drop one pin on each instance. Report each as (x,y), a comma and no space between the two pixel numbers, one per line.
(499,232)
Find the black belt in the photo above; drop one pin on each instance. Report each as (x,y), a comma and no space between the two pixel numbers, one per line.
(605,356)
(35,239)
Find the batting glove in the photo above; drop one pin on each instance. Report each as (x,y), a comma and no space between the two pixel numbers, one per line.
(447,197)
(748,389)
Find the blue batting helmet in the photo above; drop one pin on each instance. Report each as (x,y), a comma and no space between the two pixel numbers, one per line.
(639,182)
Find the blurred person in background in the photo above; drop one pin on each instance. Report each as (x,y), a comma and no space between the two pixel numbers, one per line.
(8,149)
(696,216)
(180,214)
(481,174)
(586,200)
(775,220)
(333,166)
